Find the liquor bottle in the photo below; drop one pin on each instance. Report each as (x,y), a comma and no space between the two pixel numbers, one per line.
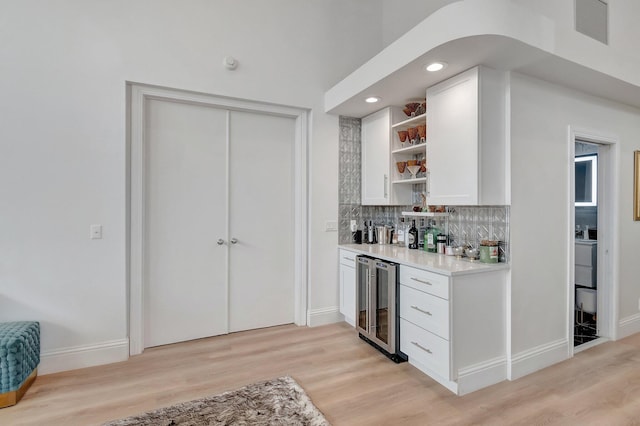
(413,236)
(365,233)
(430,243)
(400,231)
(371,233)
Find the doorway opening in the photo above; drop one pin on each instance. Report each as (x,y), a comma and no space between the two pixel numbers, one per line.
(585,324)
(591,284)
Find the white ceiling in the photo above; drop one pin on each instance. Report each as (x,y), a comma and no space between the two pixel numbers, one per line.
(500,52)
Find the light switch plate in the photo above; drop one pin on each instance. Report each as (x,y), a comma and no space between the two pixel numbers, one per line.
(331,225)
(95,232)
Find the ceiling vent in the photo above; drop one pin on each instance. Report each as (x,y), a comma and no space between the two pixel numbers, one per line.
(592,19)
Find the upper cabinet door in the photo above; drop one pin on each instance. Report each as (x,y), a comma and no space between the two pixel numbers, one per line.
(376,147)
(466,139)
(375,158)
(452,149)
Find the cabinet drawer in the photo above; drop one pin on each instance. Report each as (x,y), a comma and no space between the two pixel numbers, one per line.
(426,281)
(585,254)
(427,311)
(347,258)
(425,348)
(585,275)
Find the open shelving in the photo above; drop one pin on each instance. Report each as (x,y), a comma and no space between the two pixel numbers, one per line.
(406,151)
(411,149)
(418,119)
(425,214)
(412,181)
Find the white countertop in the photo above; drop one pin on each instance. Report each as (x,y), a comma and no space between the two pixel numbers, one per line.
(583,241)
(438,263)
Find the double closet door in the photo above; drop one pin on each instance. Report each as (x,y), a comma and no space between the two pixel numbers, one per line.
(218,221)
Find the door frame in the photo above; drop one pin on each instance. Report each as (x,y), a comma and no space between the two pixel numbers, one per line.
(137,95)
(608,267)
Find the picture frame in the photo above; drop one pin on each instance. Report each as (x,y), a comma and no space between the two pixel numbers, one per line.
(636,186)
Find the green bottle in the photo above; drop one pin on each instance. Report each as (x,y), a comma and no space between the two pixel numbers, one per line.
(430,239)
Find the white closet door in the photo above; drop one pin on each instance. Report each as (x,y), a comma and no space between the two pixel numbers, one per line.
(185,213)
(261,266)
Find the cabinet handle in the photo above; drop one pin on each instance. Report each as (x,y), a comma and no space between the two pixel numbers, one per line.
(368,311)
(386,186)
(220,241)
(420,310)
(349,258)
(421,347)
(421,281)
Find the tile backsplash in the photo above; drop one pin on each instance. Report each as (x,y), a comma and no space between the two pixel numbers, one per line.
(465,225)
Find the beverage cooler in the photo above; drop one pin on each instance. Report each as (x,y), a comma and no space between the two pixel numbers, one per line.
(377,305)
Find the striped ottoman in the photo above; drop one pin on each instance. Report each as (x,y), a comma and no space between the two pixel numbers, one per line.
(19,359)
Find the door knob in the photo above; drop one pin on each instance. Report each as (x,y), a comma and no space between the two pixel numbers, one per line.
(220,241)
(233,240)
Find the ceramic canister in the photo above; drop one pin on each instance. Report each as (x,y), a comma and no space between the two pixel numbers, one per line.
(489,254)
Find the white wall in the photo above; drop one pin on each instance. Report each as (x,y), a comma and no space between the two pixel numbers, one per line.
(63,68)
(620,58)
(540,116)
(399,16)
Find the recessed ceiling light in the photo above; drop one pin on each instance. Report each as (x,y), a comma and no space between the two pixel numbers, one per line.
(372,99)
(436,66)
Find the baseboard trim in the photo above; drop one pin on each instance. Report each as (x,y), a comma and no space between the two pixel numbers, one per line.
(481,375)
(537,358)
(628,326)
(83,356)
(452,386)
(322,316)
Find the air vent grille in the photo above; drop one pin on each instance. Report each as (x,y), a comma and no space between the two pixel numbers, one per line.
(592,19)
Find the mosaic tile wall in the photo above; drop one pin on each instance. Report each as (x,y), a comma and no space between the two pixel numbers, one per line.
(472,224)
(465,225)
(349,179)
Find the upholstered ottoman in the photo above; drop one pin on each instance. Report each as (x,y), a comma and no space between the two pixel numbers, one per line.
(19,359)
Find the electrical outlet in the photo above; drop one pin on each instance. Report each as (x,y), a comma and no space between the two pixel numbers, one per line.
(354,226)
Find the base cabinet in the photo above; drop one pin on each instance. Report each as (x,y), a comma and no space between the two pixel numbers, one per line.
(452,327)
(348,286)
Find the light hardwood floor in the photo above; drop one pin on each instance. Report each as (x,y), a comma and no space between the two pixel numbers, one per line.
(347,379)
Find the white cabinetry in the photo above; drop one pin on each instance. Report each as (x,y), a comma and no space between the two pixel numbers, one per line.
(348,285)
(586,263)
(466,148)
(376,161)
(452,328)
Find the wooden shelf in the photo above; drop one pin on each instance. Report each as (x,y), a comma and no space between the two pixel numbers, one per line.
(411,149)
(422,118)
(425,214)
(405,181)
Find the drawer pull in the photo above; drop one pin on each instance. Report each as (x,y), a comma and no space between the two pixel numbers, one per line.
(421,281)
(421,347)
(349,258)
(421,310)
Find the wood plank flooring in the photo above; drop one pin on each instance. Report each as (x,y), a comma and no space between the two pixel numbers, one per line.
(350,382)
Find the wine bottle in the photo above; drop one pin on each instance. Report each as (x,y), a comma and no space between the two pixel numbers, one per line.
(413,236)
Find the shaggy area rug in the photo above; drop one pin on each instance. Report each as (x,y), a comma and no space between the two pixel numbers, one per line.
(273,402)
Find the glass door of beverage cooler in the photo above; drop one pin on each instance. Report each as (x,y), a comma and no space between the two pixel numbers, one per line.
(364,272)
(383,305)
